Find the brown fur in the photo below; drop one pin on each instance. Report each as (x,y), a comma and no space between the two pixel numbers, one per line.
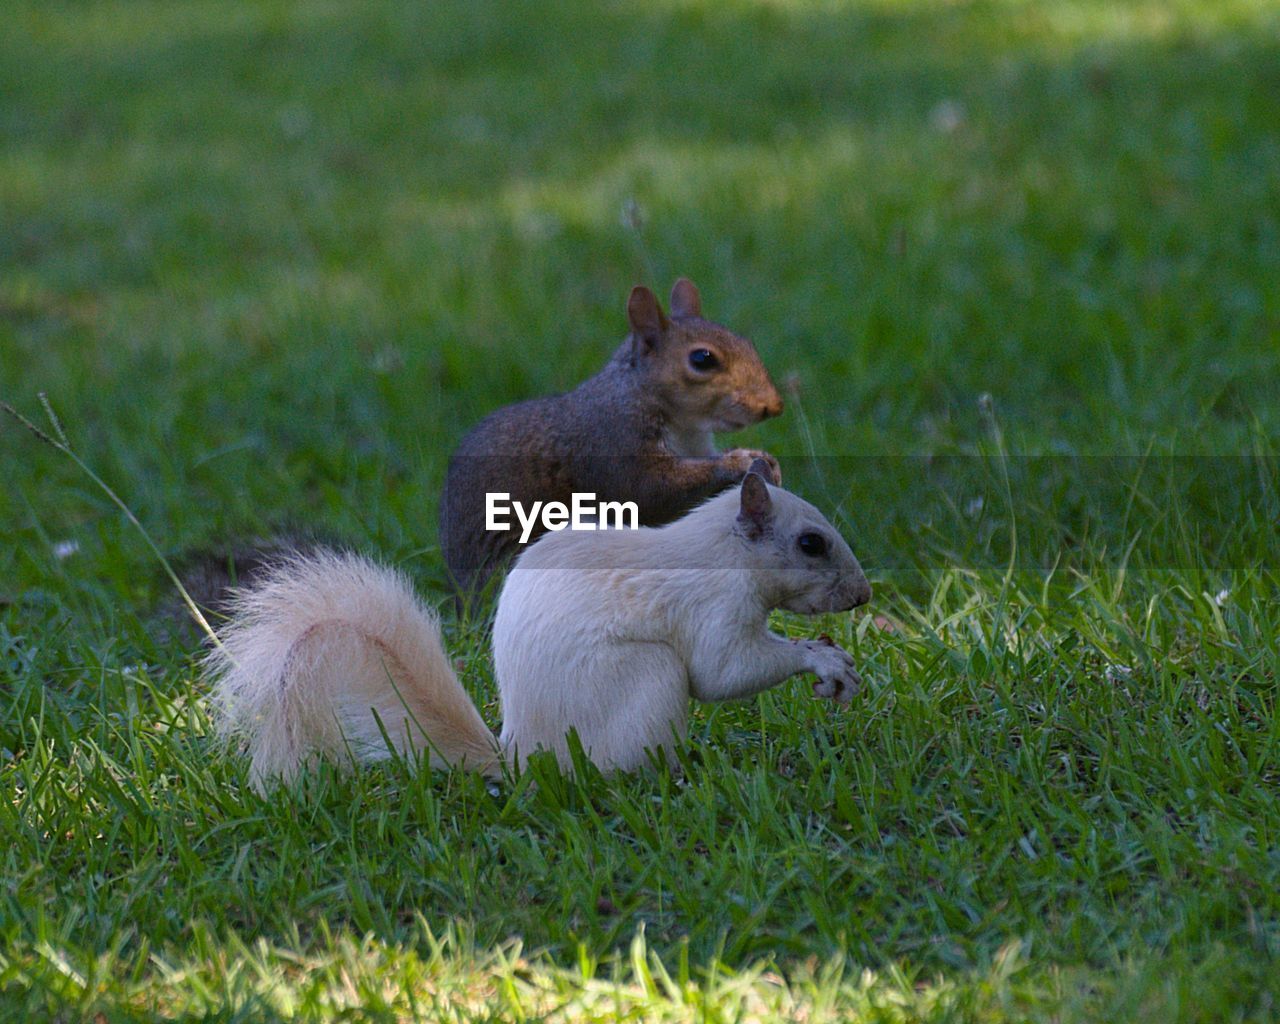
(639,430)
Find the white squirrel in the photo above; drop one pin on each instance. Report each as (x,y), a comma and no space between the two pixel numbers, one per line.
(607,633)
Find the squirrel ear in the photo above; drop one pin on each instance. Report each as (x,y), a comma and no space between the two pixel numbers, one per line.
(648,323)
(685,300)
(756,512)
(765,472)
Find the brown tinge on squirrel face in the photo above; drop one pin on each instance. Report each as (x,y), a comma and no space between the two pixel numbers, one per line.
(710,376)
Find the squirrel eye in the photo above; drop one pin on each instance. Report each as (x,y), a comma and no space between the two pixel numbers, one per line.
(812,544)
(701,359)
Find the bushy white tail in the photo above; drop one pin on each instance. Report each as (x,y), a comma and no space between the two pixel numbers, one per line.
(332,655)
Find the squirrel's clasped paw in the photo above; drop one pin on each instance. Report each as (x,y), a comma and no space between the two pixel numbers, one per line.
(833,666)
(743,460)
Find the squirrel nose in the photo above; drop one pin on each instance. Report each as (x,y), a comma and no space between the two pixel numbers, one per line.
(771,407)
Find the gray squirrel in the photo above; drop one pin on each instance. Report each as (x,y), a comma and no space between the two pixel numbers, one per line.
(639,430)
(608,633)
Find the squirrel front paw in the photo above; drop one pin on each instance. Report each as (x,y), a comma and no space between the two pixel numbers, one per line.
(833,666)
(738,462)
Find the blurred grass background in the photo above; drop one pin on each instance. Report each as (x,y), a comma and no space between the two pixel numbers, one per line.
(279,257)
(269,261)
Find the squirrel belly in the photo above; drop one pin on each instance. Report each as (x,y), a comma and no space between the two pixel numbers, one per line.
(330,655)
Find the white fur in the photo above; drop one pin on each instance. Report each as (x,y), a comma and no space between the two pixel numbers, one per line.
(327,653)
(608,633)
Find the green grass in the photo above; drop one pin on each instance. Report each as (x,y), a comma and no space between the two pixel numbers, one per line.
(270,260)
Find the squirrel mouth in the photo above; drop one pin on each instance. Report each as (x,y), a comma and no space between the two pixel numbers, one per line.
(735,419)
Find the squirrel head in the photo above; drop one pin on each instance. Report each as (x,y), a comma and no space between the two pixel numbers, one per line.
(800,559)
(708,377)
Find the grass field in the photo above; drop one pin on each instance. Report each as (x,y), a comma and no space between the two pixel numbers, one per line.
(1017,268)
